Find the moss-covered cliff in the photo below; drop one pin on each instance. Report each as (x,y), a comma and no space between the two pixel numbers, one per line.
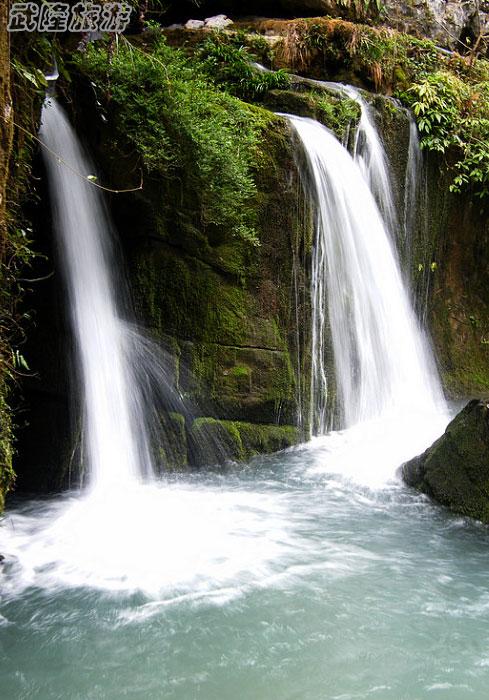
(19,110)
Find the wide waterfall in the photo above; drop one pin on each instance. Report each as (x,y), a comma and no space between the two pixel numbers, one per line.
(115,435)
(383,363)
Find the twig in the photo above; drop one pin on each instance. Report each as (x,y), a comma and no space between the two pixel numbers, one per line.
(73,170)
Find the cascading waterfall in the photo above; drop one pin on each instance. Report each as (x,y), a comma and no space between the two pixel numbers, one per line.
(122,533)
(412,183)
(116,437)
(369,153)
(383,363)
(416,229)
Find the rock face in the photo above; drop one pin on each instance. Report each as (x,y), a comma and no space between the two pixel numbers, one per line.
(194,24)
(446,22)
(450,23)
(218,22)
(455,470)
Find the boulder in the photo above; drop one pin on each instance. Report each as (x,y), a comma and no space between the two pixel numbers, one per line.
(218,22)
(194,24)
(454,471)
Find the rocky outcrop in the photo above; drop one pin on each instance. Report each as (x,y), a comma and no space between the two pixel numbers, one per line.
(453,24)
(454,471)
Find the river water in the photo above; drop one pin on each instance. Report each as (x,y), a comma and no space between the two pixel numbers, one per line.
(307,575)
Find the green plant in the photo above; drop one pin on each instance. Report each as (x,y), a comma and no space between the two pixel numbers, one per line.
(453,114)
(184,129)
(337,113)
(229,63)
(363,7)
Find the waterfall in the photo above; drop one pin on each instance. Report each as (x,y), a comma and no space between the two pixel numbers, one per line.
(115,434)
(412,181)
(369,153)
(416,224)
(383,363)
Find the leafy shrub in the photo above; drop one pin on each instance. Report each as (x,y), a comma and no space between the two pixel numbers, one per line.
(183,127)
(452,113)
(229,63)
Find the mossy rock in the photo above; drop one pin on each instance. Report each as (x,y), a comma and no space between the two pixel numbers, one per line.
(454,471)
(172,450)
(216,441)
(240,383)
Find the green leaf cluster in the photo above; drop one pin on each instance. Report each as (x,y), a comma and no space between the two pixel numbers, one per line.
(454,114)
(229,63)
(183,127)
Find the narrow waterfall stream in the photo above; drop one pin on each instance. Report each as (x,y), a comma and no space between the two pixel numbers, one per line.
(313,573)
(412,184)
(115,434)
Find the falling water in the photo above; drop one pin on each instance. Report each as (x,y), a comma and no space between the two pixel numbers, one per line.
(369,153)
(116,438)
(383,363)
(417,247)
(412,183)
(200,585)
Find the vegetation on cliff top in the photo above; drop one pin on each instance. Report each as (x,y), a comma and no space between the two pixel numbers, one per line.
(183,126)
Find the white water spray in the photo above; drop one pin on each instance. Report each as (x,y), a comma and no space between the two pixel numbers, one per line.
(383,363)
(369,153)
(412,183)
(115,435)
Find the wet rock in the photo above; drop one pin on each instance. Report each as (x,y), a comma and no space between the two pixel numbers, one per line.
(194,24)
(454,471)
(218,22)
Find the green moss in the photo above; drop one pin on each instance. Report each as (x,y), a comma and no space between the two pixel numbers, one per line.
(266,439)
(241,441)
(183,128)
(335,112)
(215,441)
(7,475)
(183,297)
(240,372)
(172,447)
